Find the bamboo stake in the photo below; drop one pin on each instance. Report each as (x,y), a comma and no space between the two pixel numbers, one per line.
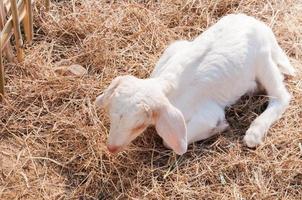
(1,75)
(6,4)
(7,48)
(28,21)
(47,3)
(7,30)
(17,31)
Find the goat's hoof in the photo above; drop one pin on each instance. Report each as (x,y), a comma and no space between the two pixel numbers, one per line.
(252,138)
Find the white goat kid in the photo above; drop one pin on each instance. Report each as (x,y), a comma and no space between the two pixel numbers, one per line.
(194,81)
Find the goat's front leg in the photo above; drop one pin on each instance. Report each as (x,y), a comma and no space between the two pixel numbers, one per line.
(206,122)
(200,128)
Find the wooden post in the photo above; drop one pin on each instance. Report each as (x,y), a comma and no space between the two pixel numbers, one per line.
(28,21)
(17,31)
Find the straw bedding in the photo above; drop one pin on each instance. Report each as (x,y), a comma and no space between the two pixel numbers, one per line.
(52,142)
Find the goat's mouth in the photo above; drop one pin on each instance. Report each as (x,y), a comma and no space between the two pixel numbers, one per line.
(114,149)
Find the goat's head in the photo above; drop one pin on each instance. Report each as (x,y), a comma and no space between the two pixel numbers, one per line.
(133,104)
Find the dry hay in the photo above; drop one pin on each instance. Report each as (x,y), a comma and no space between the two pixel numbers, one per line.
(52,143)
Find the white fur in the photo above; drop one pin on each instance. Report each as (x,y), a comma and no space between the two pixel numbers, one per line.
(194,81)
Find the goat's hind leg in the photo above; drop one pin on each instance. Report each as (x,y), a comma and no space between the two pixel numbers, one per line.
(271,79)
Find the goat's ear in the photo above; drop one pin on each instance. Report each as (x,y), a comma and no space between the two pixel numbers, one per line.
(103,100)
(170,125)
(99,101)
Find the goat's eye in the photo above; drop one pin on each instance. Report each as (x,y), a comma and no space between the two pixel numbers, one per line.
(139,128)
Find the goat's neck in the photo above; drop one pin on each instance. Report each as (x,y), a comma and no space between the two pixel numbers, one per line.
(164,84)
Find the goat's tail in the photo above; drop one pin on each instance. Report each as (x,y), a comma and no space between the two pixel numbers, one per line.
(281,59)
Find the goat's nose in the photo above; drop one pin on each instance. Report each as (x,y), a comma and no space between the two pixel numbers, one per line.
(112,148)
